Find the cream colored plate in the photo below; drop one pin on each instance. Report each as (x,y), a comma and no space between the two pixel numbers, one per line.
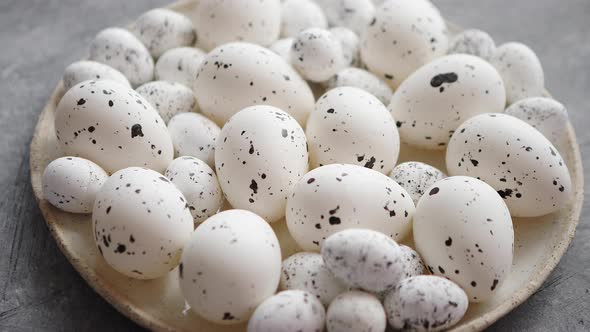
(158,304)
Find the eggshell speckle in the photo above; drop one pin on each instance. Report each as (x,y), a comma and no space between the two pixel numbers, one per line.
(352,14)
(179,65)
(317,54)
(415,177)
(356,312)
(413,263)
(350,43)
(194,135)
(168,98)
(298,15)
(474,42)
(161,29)
(362,79)
(81,71)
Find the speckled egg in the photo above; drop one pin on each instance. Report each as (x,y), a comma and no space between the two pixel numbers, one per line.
(113,126)
(415,177)
(179,65)
(70,184)
(121,50)
(515,159)
(298,15)
(291,310)
(198,183)
(307,271)
(352,14)
(474,42)
(351,45)
(335,197)
(231,264)
(161,29)
(546,115)
(402,37)
(438,97)
(425,303)
(168,98)
(282,47)
(362,79)
(413,263)
(238,75)
(317,54)
(141,223)
(363,258)
(81,71)
(220,22)
(349,125)
(194,135)
(356,311)
(521,71)
(463,231)
(260,155)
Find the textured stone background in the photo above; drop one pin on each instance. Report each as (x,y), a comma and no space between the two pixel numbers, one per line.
(39,289)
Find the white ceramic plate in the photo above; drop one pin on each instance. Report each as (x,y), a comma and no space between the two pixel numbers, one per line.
(158,304)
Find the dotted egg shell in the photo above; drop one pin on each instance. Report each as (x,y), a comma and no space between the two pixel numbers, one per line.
(179,65)
(260,155)
(350,43)
(515,159)
(168,98)
(317,54)
(335,197)
(415,177)
(349,125)
(438,97)
(362,79)
(80,71)
(474,42)
(227,286)
(352,14)
(194,135)
(298,15)
(113,126)
(121,50)
(356,311)
(238,75)
(413,263)
(71,184)
(463,231)
(141,223)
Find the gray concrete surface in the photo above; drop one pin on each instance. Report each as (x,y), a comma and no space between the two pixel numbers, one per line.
(40,291)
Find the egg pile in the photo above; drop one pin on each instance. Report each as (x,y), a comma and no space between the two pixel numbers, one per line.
(188,138)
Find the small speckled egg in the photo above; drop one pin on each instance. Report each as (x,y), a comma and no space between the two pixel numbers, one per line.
(335,197)
(413,263)
(298,15)
(352,14)
(282,47)
(70,184)
(425,303)
(463,231)
(356,311)
(238,75)
(521,71)
(179,65)
(307,271)
(220,22)
(317,54)
(194,135)
(349,125)
(403,36)
(546,115)
(121,50)
(515,159)
(231,264)
(363,258)
(113,126)
(350,43)
(141,223)
(81,71)
(168,98)
(291,310)
(474,42)
(415,177)
(198,183)
(260,155)
(362,79)
(438,97)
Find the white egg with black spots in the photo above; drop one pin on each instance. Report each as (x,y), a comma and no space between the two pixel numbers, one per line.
(463,231)
(356,311)
(81,71)
(413,263)
(260,155)
(425,303)
(415,177)
(162,29)
(199,185)
(298,15)
(336,197)
(430,104)
(237,75)
(402,37)
(194,135)
(121,50)
(473,42)
(362,79)
(179,65)
(231,264)
(352,14)
(141,223)
(70,184)
(515,159)
(351,44)
(113,126)
(287,311)
(317,54)
(307,271)
(282,47)
(168,98)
